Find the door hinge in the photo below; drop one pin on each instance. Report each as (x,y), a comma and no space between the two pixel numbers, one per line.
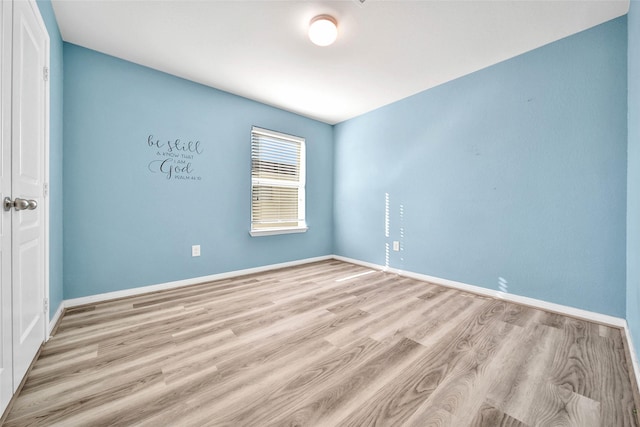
(46,305)
(45,74)
(45,189)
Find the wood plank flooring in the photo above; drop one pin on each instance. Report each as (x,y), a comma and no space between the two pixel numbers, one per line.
(325,344)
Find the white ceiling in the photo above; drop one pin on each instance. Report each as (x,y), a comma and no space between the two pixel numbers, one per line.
(386,50)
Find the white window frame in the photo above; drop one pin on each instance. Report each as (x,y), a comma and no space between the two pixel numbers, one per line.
(301,227)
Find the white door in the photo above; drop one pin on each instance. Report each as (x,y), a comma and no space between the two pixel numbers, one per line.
(24,54)
(6,344)
(28,130)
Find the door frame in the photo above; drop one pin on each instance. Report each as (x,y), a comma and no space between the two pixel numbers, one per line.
(45,166)
(6,65)
(45,198)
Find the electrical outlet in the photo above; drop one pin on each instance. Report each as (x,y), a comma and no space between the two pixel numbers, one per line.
(195,250)
(396,245)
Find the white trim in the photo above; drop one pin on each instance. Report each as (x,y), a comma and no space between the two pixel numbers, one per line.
(257,134)
(46,177)
(273,231)
(92,299)
(532,302)
(45,167)
(276,134)
(54,320)
(536,303)
(634,357)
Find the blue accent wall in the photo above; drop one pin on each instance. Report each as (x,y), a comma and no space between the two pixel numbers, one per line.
(126,223)
(633,173)
(512,178)
(56,80)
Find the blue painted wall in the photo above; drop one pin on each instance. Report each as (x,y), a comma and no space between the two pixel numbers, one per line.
(56,80)
(633,174)
(126,225)
(517,171)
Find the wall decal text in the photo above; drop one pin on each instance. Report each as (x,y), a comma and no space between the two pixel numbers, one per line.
(175,159)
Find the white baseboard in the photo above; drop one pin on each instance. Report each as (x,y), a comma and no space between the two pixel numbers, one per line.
(92,299)
(531,302)
(536,303)
(54,320)
(634,356)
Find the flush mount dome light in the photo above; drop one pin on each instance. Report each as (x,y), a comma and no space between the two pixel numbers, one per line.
(323,30)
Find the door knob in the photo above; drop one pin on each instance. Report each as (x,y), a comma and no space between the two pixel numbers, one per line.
(19,204)
(24,204)
(7,203)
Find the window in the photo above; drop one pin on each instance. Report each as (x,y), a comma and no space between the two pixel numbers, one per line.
(277,183)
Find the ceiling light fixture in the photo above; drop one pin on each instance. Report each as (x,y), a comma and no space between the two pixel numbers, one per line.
(323,30)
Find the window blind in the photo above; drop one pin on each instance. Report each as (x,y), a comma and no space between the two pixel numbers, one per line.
(277,182)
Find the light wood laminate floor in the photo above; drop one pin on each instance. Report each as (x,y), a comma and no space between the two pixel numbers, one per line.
(325,344)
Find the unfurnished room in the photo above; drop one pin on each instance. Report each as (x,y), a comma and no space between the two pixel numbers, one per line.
(319,213)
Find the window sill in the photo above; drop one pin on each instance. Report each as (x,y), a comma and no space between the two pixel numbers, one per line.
(274,231)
